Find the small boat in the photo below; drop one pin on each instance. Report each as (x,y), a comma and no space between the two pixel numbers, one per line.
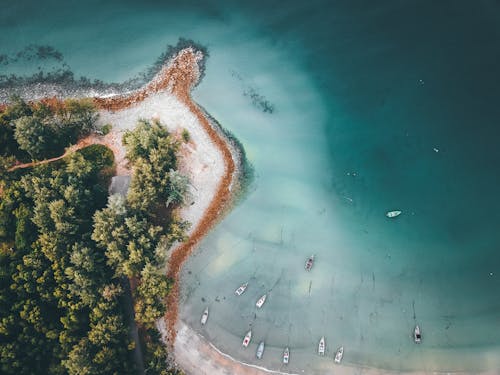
(286,356)
(241,289)
(261,301)
(309,263)
(392,214)
(321,346)
(417,336)
(204,317)
(339,354)
(247,338)
(260,350)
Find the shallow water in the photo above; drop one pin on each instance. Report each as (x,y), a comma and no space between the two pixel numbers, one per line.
(361,95)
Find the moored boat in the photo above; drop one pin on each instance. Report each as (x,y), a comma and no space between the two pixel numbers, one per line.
(247,338)
(204,317)
(321,346)
(309,263)
(241,289)
(260,350)
(339,354)
(392,214)
(261,301)
(286,356)
(417,336)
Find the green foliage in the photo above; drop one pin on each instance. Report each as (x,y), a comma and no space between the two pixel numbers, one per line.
(156,181)
(17,109)
(79,115)
(40,131)
(178,188)
(129,241)
(33,136)
(106,129)
(186,137)
(153,288)
(144,138)
(64,253)
(60,305)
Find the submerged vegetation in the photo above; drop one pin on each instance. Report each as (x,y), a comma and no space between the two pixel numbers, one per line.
(70,255)
(53,70)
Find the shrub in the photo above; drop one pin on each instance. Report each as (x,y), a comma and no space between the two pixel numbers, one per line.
(186,137)
(106,129)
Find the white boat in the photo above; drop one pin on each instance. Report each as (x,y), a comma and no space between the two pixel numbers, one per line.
(247,338)
(309,263)
(339,354)
(261,301)
(204,317)
(260,350)
(392,214)
(241,289)
(417,336)
(321,346)
(286,356)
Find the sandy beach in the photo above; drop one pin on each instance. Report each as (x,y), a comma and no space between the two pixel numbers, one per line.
(197,356)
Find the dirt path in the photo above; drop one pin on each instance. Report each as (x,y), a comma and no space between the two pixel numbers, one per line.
(68,151)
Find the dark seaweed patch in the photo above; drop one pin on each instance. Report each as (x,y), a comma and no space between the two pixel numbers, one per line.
(61,80)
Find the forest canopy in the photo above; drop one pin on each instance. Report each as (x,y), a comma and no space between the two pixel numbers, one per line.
(39,130)
(71,256)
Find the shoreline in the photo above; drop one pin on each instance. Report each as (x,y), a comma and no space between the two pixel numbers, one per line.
(178,78)
(196,355)
(168,96)
(215,162)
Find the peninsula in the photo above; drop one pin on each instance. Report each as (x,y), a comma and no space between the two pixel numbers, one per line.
(205,156)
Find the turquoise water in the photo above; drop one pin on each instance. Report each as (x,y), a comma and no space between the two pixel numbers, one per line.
(361,96)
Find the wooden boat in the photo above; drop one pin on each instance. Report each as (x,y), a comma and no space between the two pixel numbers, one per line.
(261,301)
(321,346)
(247,338)
(417,336)
(241,289)
(392,214)
(260,350)
(204,317)
(286,356)
(339,354)
(309,263)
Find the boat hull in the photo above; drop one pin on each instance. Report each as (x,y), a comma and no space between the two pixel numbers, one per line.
(241,289)
(417,336)
(247,339)
(339,354)
(204,318)
(393,214)
(260,350)
(286,356)
(309,263)
(261,301)
(321,346)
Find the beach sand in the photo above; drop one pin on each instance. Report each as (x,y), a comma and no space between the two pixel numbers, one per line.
(197,356)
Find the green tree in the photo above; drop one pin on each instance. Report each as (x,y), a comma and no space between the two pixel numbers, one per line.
(17,109)
(33,136)
(152,289)
(144,138)
(178,187)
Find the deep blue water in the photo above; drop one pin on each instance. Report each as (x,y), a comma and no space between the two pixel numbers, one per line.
(369,90)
